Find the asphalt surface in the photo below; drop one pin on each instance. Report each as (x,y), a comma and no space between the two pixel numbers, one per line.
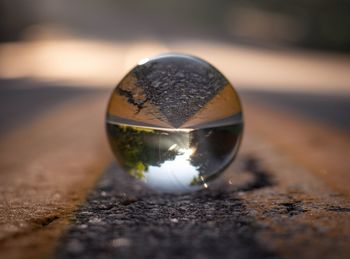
(23,99)
(122,219)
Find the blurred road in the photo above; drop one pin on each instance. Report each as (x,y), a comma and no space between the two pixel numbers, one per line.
(96,63)
(328,109)
(23,99)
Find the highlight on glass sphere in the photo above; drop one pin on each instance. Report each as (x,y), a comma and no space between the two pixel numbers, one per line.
(174,122)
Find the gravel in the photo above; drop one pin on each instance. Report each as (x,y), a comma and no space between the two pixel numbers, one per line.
(122,219)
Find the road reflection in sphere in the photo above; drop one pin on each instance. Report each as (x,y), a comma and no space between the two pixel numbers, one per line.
(174,122)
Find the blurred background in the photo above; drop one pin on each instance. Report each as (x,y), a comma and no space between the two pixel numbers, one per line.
(309,24)
(288,48)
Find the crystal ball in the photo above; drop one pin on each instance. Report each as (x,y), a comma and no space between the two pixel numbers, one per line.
(174,122)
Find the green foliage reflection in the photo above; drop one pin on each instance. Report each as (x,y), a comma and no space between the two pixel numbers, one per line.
(138,148)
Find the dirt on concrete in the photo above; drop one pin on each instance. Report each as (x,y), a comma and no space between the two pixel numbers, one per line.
(47,166)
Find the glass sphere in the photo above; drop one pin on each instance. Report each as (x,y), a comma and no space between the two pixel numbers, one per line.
(174,122)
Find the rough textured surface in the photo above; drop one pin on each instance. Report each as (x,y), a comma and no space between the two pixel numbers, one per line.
(178,85)
(123,220)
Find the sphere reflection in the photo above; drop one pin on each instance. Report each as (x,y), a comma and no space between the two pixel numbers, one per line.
(174,122)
